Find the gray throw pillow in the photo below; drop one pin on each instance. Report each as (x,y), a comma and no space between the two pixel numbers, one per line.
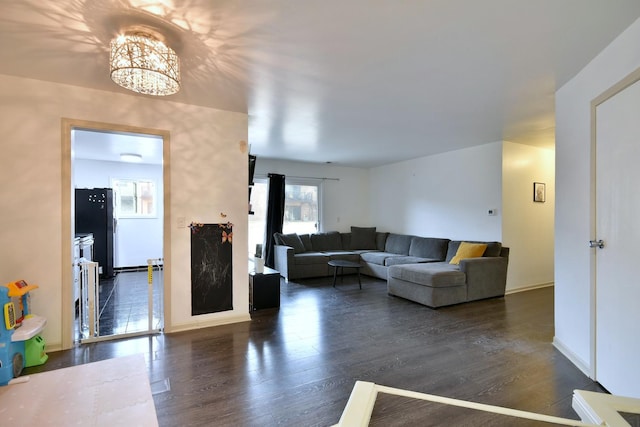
(381,240)
(398,243)
(330,241)
(493,249)
(429,247)
(294,241)
(363,238)
(346,240)
(306,241)
(277,238)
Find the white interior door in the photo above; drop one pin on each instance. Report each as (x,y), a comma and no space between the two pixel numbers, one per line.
(618,225)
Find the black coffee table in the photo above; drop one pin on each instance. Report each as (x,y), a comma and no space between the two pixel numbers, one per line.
(338,263)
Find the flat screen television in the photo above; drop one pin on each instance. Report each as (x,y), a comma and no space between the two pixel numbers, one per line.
(252,168)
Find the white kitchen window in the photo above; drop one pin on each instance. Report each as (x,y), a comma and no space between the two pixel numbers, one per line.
(135,198)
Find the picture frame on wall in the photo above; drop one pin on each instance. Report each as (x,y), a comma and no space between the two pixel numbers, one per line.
(539,192)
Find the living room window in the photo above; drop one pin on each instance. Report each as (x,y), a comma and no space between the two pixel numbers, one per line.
(301,209)
(258,220)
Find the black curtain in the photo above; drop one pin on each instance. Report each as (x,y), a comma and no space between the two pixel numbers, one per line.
(275,215)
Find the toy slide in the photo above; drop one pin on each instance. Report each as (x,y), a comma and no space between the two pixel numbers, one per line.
(20,342)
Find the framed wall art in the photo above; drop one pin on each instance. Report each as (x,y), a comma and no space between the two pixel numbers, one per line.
(539,192)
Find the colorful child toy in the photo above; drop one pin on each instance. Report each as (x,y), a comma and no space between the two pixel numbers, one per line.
(20,344)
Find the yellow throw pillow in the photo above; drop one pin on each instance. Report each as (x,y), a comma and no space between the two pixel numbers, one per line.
(468,250)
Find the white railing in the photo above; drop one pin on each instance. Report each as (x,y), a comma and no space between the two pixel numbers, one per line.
(89,314)
(358,411)
(152,264)
(89,304)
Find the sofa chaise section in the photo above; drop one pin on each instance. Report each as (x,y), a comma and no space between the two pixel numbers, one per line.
(433,284)
(442,283)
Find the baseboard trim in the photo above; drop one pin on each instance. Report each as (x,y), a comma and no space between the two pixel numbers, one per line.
(529,288)
(53,347)
(207,324)
(573,358)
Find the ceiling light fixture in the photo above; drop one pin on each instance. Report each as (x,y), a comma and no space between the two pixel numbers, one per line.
(141,62)
(131,157)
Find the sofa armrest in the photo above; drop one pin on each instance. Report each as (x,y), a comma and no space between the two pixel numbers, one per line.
(282,259)
(486,276)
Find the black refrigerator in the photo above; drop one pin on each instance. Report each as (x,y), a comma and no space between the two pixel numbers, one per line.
(94,214)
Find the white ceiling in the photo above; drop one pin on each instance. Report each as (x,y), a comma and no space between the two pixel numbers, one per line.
(354,82)
(107,146)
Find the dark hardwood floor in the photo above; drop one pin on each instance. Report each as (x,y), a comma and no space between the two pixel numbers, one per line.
(296,366)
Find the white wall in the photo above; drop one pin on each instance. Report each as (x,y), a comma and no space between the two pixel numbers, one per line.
(136,239)
(208,176)
(574,215)
(448,195)
(345,202)
(444,195)
(527,226)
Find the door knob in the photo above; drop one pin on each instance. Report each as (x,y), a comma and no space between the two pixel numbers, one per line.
(596,244)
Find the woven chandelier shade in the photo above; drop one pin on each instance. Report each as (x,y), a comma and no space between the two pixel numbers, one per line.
(142,63)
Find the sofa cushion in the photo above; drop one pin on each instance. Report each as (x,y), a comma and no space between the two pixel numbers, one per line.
(345,238)
(294,241)
(306,241)
(307,258)
(429,247)
(493,248)
(343,255)
(326,241)
(401,259)
(377,257)
(361,251)
(468,250)
(363,238)
(381,240)
(398,244)
(436,275)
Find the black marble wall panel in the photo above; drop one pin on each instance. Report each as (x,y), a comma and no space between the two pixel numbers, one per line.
(211,268)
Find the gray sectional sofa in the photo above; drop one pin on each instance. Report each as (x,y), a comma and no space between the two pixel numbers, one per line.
(440,283)
(416,268)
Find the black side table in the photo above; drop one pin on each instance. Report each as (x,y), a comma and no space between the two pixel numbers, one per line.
(264,289)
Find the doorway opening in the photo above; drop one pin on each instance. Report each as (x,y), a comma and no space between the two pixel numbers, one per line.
(117,231)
